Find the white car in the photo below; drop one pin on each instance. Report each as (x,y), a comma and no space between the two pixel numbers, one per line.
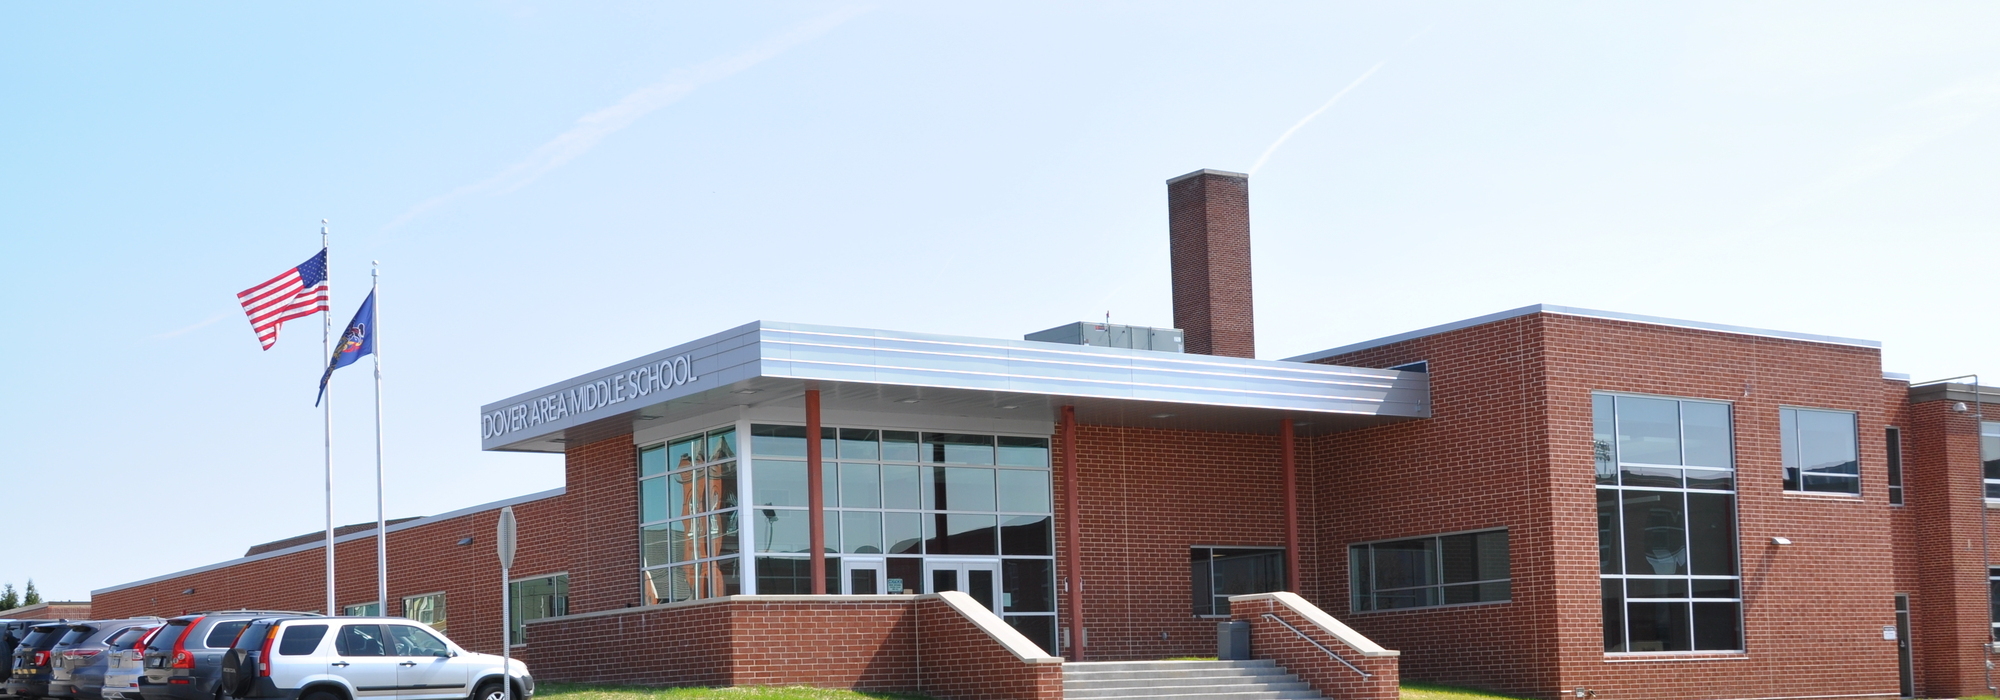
(359,658)
(126,666)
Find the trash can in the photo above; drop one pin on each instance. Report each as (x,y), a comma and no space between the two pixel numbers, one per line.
(1232,640)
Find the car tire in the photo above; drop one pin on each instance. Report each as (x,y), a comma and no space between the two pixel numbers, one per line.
(489,690)
(320,695)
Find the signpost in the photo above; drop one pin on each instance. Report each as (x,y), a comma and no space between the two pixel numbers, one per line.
(504,540)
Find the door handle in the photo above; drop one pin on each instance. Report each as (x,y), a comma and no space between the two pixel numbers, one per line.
(407,663)
(341,664)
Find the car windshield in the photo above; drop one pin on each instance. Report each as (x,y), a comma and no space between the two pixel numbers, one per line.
(127,638)
(36,635)
(224,634)
(253,637)
(169,634)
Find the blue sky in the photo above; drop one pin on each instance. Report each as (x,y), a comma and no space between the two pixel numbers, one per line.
(552,188)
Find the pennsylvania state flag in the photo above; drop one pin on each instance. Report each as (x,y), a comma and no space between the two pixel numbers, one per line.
(358,340)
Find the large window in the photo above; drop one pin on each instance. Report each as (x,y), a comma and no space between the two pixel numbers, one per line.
(1820,451)
(899,499)
(1219,572)
(1666,524)
(533,599)
(370,609)
(688,526)
(1458,569)
(1989,452)
(427,609)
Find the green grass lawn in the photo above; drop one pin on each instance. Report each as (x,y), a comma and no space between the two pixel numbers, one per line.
(573,691)
(1426,691)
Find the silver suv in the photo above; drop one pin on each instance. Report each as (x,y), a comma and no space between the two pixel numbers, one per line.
(357,658)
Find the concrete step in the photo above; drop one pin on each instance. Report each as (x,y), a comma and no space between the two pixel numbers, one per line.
(1181,690)
(1183,680)
(1261,695)
(1097,680)
(1093,666)
(1069,675)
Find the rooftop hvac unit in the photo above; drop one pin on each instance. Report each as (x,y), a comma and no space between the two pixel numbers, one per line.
(1108,335)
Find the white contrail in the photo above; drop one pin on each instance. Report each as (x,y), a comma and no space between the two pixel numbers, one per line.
(190,329)
(1302,122)
(593,127)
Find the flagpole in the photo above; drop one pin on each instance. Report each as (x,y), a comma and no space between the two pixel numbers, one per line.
(326,350)
(381,529)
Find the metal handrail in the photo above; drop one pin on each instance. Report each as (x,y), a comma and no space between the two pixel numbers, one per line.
(1322,647)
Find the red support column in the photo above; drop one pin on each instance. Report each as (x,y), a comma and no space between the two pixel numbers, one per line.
(1072,535)
(815,496)
(1289,459)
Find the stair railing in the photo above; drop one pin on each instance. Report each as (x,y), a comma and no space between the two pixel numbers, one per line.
(1322,647)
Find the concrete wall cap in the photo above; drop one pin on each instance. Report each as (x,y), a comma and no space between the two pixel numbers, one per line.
(893,599)
(1313,614)
(994,627)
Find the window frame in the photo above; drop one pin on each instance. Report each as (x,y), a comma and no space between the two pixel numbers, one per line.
(1624,576)
(1989,429)
(514,618)
(1892,442)
(1854,418)
(1354,597)
(1212,595)
(437,625)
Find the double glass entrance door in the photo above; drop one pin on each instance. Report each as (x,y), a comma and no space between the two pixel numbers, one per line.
(979,578)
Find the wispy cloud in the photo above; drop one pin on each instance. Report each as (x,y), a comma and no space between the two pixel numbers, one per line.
(1329,104)
(1303,122)
(594,127)
(190,328)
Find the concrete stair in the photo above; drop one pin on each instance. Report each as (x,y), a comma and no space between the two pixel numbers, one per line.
(1183,680)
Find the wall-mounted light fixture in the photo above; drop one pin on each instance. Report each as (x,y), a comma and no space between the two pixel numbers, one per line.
(1781,541)
(465,541)
(188,592)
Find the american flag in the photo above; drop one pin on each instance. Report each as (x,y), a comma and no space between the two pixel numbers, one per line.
(295,293)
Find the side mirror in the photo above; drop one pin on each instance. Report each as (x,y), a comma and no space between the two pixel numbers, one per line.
(444,654)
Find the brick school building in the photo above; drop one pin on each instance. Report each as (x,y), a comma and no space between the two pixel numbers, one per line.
(1547,501)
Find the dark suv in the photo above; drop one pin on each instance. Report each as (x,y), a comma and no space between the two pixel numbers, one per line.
(31,660)
(184,660)
(80,654)
(11,634)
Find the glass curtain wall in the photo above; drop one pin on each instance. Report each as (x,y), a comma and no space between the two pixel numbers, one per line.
(1666,522)
(897,499)
(688,530)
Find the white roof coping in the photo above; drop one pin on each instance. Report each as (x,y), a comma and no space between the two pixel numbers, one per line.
(996,628)
(321,543)
(1015,642)
(1312,613)
(1586,313)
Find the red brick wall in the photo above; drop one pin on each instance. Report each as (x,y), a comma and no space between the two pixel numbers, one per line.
(1479,462)
(1208,221)
(1335,680)
(1945,493)
(1147,497)
(1509,444)
(880,643)
(1903,524)
(603,478)
(957,659)
(423,559)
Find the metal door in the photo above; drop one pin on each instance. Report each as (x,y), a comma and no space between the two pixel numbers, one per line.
(1903,645)
(863,576)
(979,578)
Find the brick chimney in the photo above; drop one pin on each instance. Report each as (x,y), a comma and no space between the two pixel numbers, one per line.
(1208,220)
